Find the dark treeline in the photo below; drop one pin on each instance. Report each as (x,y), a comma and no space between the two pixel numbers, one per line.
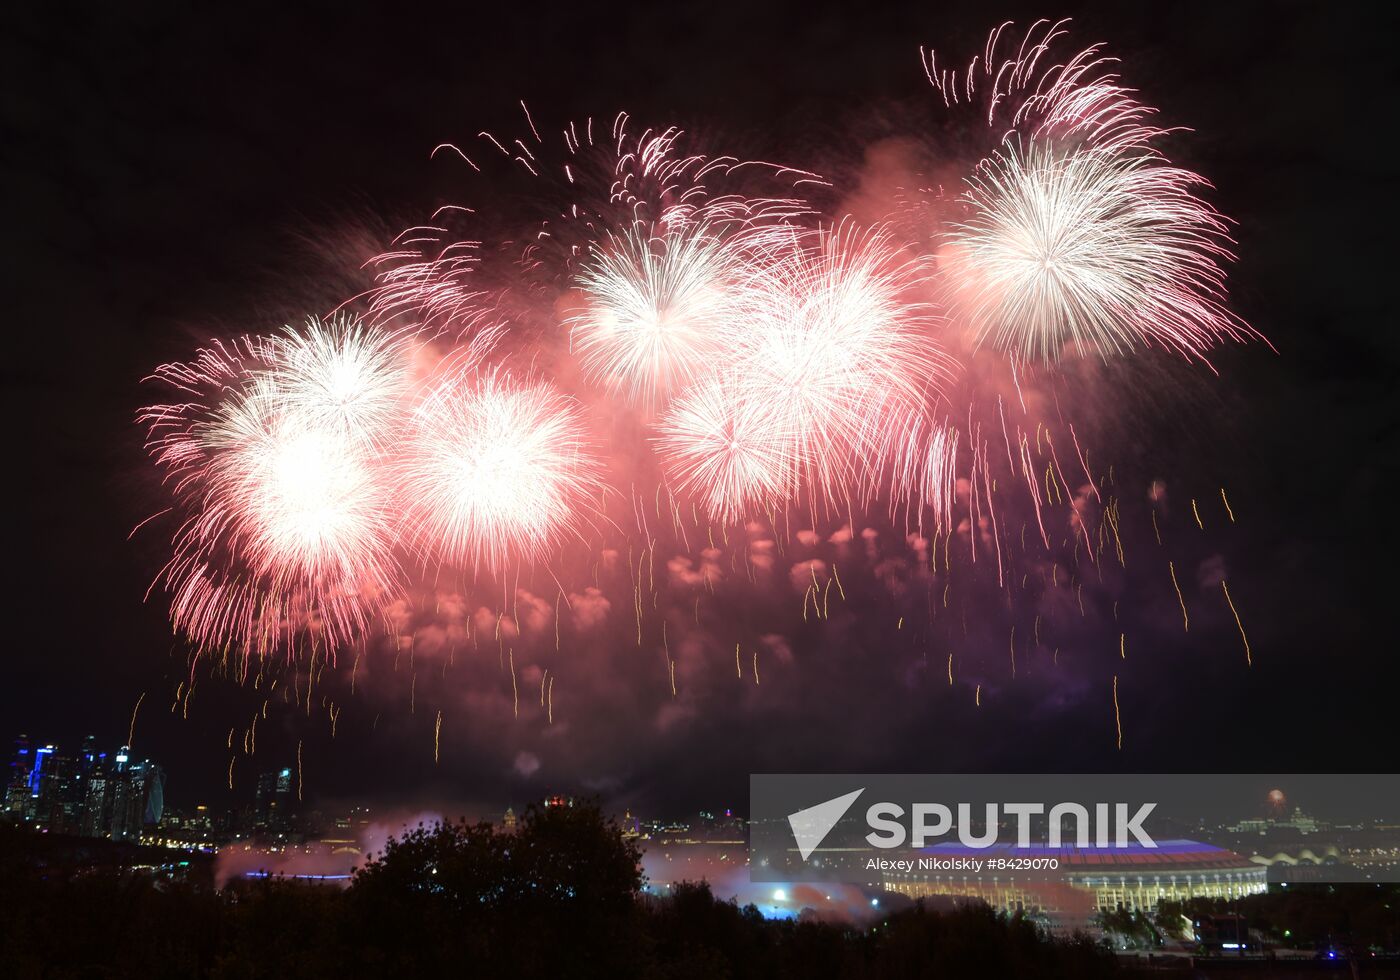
(561,897)
(1346,917)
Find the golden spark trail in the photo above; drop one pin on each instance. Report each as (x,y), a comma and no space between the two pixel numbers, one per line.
(1228,509)
(1185,619)
(131,731)
(1248,656)
(1117,714)
(514,688)
(437,736)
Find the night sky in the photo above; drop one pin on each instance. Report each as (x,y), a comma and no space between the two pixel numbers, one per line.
(173,175)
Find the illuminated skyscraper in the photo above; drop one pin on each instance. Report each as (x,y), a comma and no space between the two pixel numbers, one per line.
(17,781)
(85,794)
(272,806)
(97,802)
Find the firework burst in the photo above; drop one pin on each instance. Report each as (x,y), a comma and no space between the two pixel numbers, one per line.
(494,470)
(274,463)
(593,192)
(834,350)
(731,449)
(1077,234)
(658,311)
(746,362)
(1096,250)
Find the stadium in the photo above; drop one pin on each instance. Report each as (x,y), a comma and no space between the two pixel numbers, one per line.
(1092,879)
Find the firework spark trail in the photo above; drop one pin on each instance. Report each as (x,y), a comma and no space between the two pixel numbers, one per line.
(433,293)
(438,278)
(1029,91)
(1117,714)
(924,473)
(1248,653)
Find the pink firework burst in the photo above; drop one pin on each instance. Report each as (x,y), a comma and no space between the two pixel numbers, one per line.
(494,470)
(275,464)
(834,351)
(1077,234)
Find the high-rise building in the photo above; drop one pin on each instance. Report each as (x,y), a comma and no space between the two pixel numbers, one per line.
(58,805)
(17,780)
(138,796)
(97,802)
(42,755)
(119,824)
(84,794)
(272,802)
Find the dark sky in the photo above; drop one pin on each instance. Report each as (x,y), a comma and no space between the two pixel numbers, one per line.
(169,172)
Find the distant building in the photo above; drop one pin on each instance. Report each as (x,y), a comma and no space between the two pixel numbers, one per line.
(272,802)
(97,813)
(137,795)
(1094,879)
(1299,821)
(58,806)
(84,794)
(17,781)
(509,820)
